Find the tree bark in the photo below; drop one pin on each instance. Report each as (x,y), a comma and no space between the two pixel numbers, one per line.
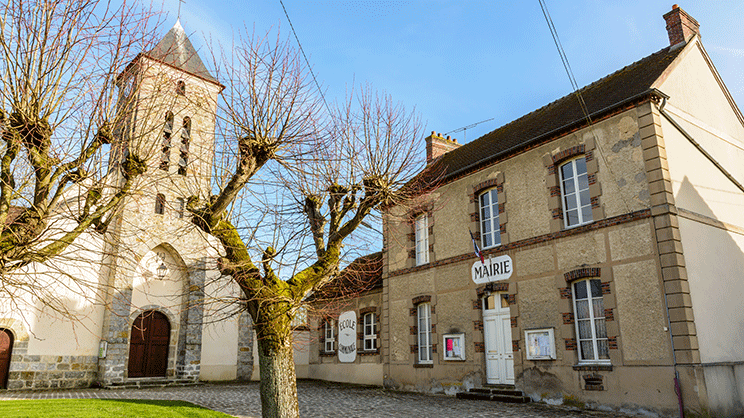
(278,379)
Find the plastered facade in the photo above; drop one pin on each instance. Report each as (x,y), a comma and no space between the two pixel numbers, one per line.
(325,365)
(653,195)
(621,248)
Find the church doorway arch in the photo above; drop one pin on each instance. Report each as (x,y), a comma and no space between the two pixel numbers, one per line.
(148,346)
(6,348)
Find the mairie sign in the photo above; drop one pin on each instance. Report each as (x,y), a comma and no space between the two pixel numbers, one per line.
(493,270)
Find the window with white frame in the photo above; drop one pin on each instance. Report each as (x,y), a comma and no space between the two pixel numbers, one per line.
(424,333)
(328,332)
(577,204)
(422,239)
(370,332)
(489,218)
(591,332)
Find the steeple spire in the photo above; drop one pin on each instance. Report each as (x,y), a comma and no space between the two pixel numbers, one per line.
(175,49)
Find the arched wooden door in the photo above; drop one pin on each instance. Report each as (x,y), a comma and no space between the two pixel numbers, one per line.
(6,348)
(148,347)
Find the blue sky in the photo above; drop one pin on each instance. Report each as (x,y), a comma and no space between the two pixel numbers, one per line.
(464,62)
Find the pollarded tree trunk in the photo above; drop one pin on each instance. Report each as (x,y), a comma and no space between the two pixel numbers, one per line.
(278,378)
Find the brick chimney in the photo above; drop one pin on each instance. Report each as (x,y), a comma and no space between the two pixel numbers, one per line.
(437,145)
(680,26)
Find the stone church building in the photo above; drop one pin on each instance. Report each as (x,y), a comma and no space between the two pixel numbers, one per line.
(140,295)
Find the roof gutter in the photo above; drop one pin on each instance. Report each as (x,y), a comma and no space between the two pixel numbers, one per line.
(651,91)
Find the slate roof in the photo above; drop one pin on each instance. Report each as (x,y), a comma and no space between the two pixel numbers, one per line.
(362,274)
(602,96)
(176,49)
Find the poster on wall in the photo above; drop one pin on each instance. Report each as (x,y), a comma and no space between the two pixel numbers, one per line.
(347,336)
(454,346)
(540,344)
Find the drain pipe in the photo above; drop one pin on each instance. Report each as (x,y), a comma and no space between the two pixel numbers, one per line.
(677,386)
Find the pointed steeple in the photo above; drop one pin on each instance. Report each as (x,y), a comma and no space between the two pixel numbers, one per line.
(175,49)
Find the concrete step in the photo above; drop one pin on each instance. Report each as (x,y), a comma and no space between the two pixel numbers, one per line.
(499,393)
(151,383)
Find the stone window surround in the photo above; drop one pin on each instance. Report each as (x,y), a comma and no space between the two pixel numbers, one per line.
(172,339)
(160,204)
(511,298)
(552,162)
(360,335)
(474,202)
(322,330)
(424,336)
(582,273)
(411,219)
(166,141)
(183,161)
(413,323)
(421,239)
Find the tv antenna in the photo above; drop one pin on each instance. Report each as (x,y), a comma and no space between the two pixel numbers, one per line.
(464,129)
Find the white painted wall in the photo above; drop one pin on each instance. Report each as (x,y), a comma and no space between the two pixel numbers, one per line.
(148,289)
(68,322)
(711,222)
(219,350)
(357,373)
(714,257)
(219,358)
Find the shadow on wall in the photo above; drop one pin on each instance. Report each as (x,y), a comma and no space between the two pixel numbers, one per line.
(715,267)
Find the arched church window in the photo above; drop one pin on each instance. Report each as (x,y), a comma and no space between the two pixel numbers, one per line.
(185,138)
(166,146)
(160,204)
(181,88)
(180,206)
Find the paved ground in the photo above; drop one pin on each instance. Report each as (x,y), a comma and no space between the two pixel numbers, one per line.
(321,399)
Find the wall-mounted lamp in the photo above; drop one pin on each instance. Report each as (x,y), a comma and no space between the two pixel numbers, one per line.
(162,271)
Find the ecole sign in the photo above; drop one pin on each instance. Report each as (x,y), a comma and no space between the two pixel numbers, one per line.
(347,335)
(493,270)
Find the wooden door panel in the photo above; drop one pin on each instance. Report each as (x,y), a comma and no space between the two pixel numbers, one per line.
(6,348)
(148,353)
(136,360)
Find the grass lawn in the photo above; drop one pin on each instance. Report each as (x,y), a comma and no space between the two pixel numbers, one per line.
(95,408)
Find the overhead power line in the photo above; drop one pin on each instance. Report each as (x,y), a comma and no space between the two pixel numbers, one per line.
(302,50)
(577,92)
(564,59)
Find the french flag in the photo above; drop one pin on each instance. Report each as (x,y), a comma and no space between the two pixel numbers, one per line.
(476,249)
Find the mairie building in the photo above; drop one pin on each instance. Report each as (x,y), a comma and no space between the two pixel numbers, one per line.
(612,240)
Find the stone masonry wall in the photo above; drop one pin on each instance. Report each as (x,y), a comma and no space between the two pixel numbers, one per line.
(50,372)
(245,347)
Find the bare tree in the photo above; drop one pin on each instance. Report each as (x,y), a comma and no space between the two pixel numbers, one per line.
(294,184)
(59,61)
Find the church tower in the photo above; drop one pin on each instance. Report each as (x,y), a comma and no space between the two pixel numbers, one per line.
(159,264)
(167,106)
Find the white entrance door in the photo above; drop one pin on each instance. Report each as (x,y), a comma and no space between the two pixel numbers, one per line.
(497,336)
